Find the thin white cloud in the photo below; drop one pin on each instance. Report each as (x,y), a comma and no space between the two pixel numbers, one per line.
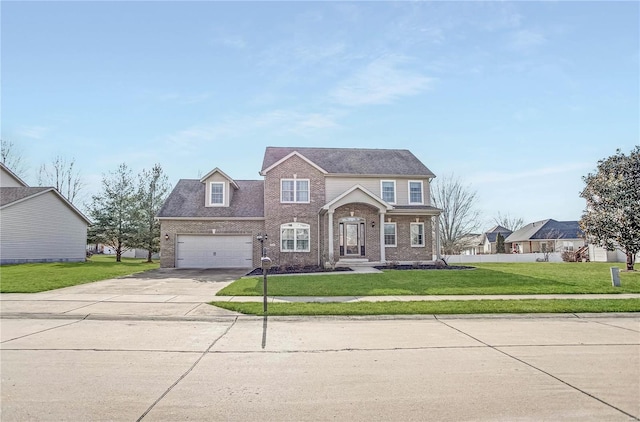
(33,132)
(237,42)
(381,82)
(525,39)
(276,122)
(541,173)
(185,99)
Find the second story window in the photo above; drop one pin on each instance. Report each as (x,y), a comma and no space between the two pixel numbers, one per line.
(294,190)
(388,189)
(217,193)
(415,192)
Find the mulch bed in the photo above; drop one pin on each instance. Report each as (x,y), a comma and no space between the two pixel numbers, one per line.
(423,267)
(298,270)
(316,269)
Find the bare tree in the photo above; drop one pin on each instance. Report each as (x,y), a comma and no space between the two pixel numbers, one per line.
(509,222)
(61,174)
(11,157)
(459,218)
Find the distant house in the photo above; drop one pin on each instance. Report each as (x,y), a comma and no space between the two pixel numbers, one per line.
(490,238)
(38,223)
(547,235)
(485,243)
(473,244)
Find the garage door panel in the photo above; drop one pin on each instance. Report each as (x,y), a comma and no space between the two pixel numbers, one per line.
(214,251)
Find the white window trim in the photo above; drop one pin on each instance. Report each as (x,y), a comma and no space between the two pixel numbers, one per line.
(421,192)
(395,191)
(411,236)
(295,227)
(395,231)
(295,191)
(224,194)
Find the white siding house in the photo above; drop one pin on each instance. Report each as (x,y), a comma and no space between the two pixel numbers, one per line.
(39,225)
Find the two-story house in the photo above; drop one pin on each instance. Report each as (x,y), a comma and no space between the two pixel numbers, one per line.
(317,206)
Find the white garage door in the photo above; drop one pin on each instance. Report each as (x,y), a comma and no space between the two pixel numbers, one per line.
(214,252)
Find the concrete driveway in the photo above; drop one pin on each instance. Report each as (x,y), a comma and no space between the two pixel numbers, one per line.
(156,293)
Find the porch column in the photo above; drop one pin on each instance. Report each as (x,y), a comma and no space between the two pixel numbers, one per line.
(437,234)
(383,257)
(330,213)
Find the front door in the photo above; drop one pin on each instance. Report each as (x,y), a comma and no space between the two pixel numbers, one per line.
(352,239)
(352,236)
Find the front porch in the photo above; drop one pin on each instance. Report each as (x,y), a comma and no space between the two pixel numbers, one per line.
(360,229)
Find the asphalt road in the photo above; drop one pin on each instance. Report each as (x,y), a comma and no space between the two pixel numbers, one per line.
(552,368)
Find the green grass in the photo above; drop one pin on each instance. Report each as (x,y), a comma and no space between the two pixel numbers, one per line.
(439,307)
(32,278)
(516,278)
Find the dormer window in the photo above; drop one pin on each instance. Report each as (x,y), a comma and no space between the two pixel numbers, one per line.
(217,193)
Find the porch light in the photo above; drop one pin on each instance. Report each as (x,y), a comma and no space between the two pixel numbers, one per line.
(373,224)
(166,236)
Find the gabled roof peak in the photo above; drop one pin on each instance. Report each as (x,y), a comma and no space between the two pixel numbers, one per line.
(223,174)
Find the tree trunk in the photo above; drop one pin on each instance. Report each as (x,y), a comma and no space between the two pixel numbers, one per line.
(629,261)
(149,256)
(119,254)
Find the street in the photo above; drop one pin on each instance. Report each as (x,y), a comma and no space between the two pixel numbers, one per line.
(237,368)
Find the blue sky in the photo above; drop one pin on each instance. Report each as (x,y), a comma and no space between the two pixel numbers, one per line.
(518,99)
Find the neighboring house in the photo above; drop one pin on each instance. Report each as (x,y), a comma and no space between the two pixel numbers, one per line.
(485,243)
(38,224)
(473,244)
(318,206)
(490,238)
(547,235)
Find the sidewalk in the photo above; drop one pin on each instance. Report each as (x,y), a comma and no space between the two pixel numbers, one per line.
(412,298)
(148,305)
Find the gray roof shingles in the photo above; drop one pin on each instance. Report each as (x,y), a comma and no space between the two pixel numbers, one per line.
(355,161)
(547,229)
(10,195)
(187,200)
(492,235)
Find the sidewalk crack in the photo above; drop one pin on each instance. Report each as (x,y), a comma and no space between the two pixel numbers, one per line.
(187,372)
(540,370)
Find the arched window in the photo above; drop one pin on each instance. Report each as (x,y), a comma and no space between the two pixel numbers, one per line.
(295,237)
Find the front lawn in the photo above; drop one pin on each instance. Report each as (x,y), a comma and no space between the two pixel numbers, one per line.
(32,278)
(487,278)
(438,307)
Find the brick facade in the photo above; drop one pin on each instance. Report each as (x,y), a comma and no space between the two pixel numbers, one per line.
(404,252)
(277,213)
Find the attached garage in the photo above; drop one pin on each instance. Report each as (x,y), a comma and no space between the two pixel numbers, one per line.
(214,251)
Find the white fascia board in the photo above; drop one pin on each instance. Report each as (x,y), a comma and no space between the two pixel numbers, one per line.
(367,192)
(282,160)
(217,170)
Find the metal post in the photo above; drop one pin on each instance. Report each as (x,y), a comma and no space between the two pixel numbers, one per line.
(266,264)
(264,291)
(615,276)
